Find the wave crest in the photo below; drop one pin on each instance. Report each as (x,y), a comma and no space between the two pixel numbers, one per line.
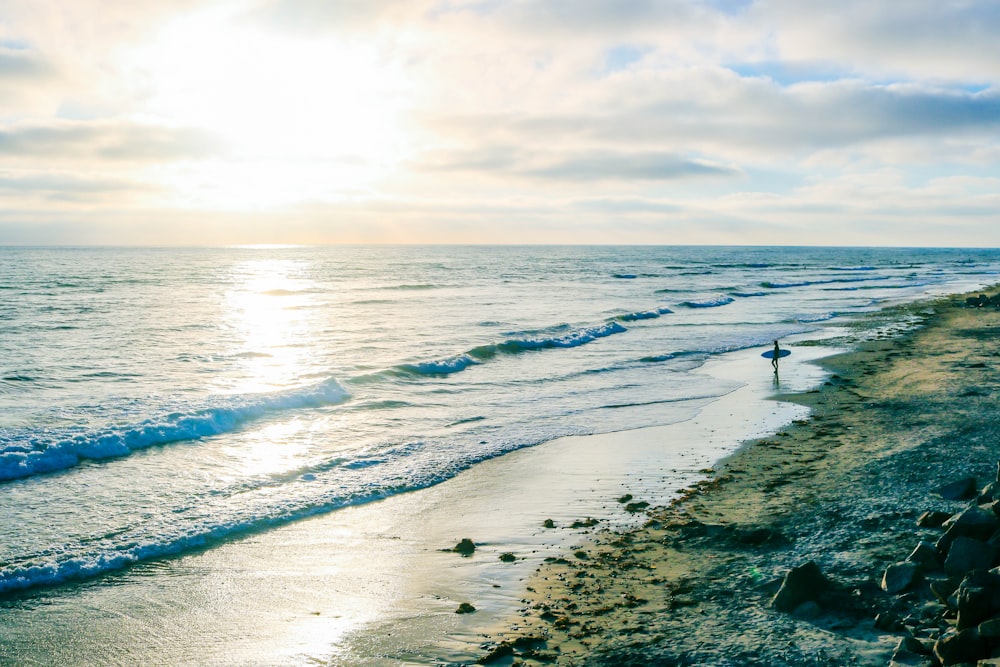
(25,456)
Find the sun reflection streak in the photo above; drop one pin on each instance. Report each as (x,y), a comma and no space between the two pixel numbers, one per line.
(267,309)
(256,453)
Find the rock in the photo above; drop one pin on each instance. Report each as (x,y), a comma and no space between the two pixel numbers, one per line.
(466,547)
(465,608)
(980,301)
(501,650)
(975,522)
(801,584)
(932,519)
(508,557)
(990,629)
(974,599)
(962,489)
(943,590)
(548,523)
(912,645)
(909,652)
(926,556)
(900,576)
(956,646)
(888,622)
(989,493)
(967,554)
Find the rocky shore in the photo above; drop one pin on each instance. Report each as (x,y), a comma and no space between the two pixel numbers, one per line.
(863,535)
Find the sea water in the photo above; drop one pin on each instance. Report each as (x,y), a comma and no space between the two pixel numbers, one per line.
(159,401)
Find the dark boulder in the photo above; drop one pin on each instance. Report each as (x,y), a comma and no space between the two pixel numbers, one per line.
(926,556)
(967,554)
(954,647)
(932,519)
(975,522)
(466,547)
(899,577)
(962,489)
(801,584)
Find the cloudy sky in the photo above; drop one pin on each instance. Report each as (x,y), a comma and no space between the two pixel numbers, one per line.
(856,122)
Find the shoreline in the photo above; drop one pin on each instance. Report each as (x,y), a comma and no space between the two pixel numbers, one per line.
(374,584)
(897,417)
(371,585)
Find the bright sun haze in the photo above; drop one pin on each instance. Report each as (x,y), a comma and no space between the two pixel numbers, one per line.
(705,122)
(298,118)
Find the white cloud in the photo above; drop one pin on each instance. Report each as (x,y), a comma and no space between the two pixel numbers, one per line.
(505,120)
(103,141)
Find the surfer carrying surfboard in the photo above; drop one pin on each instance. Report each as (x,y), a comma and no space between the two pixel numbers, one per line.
(775,354)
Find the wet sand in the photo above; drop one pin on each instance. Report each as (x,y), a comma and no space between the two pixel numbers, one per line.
(898,417)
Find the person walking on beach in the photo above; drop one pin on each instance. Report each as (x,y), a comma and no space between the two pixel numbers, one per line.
(774,359)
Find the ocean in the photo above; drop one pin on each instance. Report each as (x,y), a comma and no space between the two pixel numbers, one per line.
(160,401)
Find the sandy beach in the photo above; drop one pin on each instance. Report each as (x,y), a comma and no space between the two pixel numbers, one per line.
(898,417)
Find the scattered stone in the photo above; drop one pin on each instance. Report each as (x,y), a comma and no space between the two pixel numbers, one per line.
(501,650)
(588,523)
(909,652)
(977,598)
(932,519)
(912,645)
(956,646)
(888,622)
(636,507)
(943,590)
(990,629)
(963,489)
(968,554)
(540,656)
(465,608)
(975,522)
(926,556)
(801,584)
(466,547)
(989,493)
(899,577)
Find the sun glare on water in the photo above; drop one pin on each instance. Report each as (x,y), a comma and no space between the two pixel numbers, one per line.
(292,118)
